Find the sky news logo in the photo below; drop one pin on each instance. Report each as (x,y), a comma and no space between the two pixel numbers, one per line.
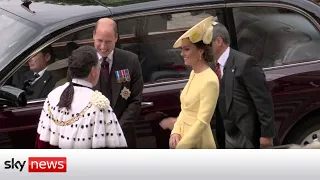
(38,164)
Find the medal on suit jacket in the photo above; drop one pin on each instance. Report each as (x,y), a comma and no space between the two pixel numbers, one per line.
(125,93)
(118,76)
(123,75)
(127,75)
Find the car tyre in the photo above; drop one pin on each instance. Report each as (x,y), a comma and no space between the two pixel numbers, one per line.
(305,131)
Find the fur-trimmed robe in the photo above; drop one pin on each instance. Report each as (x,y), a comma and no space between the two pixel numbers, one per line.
(90,123)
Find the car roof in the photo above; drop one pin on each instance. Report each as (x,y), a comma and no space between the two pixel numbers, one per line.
(54,11)
(154,5)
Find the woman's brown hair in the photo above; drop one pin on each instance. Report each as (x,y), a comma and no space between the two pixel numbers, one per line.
(207,55)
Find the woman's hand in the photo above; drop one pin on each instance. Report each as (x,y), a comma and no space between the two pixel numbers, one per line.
(174,139)
(168,123)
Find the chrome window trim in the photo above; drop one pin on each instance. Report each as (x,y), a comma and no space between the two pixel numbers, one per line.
(166,83)
(292,65)
(169,10)
(36,101)
(148,88)
(286,6)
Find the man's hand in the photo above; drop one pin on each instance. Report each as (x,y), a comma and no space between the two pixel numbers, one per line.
(174,139)
(266,142)
(168,123)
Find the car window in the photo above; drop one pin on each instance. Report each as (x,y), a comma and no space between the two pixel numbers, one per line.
(156,35)
(56,72)
(150,37)
(49,75)
(85,35)
(276,36)
(15,33)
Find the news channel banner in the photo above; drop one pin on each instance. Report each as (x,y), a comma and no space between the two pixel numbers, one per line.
(142,164)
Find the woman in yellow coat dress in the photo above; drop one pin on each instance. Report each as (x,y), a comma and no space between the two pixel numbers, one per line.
(199,97)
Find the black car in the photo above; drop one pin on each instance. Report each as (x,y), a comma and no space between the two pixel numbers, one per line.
(283,36)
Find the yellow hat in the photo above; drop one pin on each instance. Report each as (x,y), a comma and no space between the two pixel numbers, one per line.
(201,31)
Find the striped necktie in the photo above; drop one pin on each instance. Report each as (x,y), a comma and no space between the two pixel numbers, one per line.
(218,71)
(105,68)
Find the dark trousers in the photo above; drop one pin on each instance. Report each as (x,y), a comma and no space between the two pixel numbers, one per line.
(237,140)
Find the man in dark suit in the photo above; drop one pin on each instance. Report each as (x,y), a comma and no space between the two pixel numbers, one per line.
(244,115)
(37,82)
(120,79)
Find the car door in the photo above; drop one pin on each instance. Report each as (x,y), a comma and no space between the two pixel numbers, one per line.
(18,125)
(151,37)
(285,43)
(163,69)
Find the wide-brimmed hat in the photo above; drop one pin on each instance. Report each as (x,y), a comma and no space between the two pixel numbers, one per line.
(60,64)
(63,63)
(203,31)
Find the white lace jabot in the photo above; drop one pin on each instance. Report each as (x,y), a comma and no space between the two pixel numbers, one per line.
(89,123)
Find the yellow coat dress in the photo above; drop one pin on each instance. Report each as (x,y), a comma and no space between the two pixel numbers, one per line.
(198,102)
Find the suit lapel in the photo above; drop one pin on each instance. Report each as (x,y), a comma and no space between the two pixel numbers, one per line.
(228,77)
(117,64)
(41,83)
(28,75)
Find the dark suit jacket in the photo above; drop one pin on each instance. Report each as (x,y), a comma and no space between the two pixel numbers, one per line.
(41,88)
(127,110)
(245,103)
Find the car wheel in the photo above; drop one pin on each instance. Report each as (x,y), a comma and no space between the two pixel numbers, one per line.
(305,132)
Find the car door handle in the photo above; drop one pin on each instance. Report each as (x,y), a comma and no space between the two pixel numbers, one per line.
(146,104)
(314,84)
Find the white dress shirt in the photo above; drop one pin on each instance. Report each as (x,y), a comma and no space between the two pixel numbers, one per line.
(109,59)
(223,59)
(40,75)
(82,82)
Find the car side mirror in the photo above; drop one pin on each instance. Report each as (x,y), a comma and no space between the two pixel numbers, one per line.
(12,96)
